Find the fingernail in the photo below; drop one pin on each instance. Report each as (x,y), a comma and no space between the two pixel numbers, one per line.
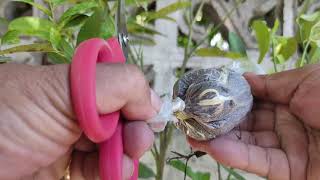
(128,167)
(155,101)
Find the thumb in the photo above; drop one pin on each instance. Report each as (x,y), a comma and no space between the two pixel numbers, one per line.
(279,87)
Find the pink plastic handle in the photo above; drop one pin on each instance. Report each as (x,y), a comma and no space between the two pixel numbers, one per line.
(104,129)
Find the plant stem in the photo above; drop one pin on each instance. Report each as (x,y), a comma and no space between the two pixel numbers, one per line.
(190,34)
(274,57)
(219,171)
(160,156)
(52,11)
(303,59)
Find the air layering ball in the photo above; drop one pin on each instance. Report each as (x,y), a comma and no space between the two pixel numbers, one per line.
(216,101)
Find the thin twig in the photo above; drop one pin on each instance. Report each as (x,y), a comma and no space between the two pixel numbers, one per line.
(190,34)
(305,50)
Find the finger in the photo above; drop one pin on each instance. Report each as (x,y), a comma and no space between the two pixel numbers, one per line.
(54,171)
(267,139)
(124,87)
(294,141)
(267,162)
(259,120)
(85,166)
(85,145)
(264,120)
(138,138)
(305,103)
(118,86)
(279,87)
(263,105)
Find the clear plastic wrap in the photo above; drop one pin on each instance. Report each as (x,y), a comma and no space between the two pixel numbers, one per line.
(208,102)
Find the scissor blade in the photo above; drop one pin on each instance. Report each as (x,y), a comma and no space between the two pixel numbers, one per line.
(122,28)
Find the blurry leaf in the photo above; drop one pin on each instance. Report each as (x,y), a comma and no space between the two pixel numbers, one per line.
(286,47)
(135,28)
(67,49)
(10,37)
(263,38)
(236,44)
(76,21)
(280,59)
(168,18)
(37,47)
(4,59)
(216,52)
(164,12)
(38,6)
(77,9)
(99,25)
(315,33)
(32,26)
(314,54)
(143,41)
(56,58)
(275,27)
(145,171)
(306,22)
(57,2)
(55,38)
(139,3)
(179,165)
(234,173)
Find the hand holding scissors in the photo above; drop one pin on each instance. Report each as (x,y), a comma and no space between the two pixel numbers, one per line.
(103,129)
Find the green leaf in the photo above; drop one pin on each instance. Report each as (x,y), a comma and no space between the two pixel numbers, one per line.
(32,26)
(143,41)
(135,28)
(145,171)
(76,21)
(263,37)
(306,23)
(315,33)
(57,2)
(10,37)
(234,173)
(136,2)
(37,47)
(314,54)
(275,27)
(236,44)
(67,48)
(38,6)
(216,52)
(286,47)
(164,12)
(76,10)
(57,58)
(55,38)
(99,25)
(179,165)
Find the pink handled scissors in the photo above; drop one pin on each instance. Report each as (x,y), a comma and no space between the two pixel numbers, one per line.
(103,129)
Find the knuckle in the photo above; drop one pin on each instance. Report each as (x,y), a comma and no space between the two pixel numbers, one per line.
(137,78)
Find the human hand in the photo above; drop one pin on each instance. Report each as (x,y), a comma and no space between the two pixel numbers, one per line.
(39,133)
(281,138)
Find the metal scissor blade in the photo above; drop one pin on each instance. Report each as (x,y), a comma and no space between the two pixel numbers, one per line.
(122,28)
